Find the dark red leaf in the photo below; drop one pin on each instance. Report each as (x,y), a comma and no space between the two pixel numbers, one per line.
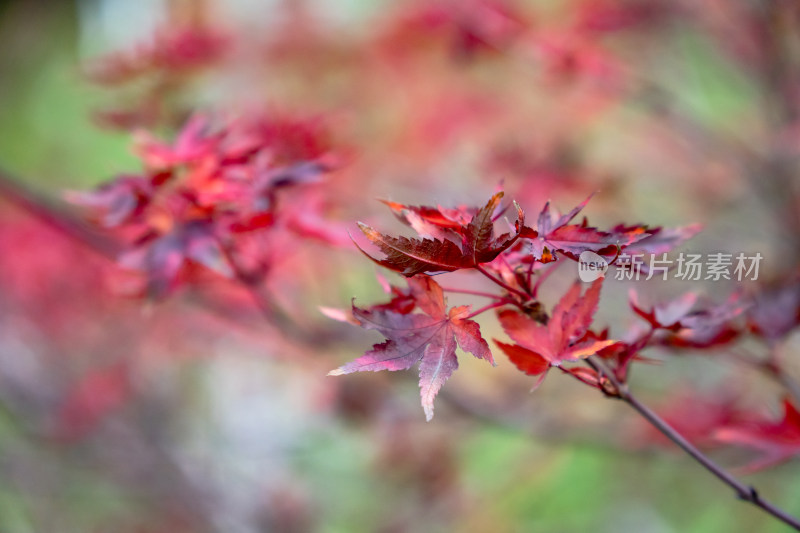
(477,244)
(555,235)
(564,337)
(429,338)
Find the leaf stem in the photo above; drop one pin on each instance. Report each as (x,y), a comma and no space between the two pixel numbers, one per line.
(473,293)
(502,283)
(576,376)
(743,492)
(485,308)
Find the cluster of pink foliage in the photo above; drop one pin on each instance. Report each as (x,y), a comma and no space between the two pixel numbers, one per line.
(215,197)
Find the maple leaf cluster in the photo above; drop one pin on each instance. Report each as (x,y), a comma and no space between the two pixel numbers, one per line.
(214,197)
(156,71)
(464,29)
(463,238)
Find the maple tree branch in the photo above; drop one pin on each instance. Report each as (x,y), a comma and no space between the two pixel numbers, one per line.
(57,218)
(264,304)
(744,492)
(274,314)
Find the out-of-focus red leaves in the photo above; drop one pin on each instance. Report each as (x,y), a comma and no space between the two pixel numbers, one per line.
(194,141)
(117,202)
(217,180)
(156,71)
(696,418)
(463,28)
(775,311)
(428,338)
(776,441)
(567,56)
(608,16)
(703,328)
(35,285)
(172,50)
(666,315)
(163,258)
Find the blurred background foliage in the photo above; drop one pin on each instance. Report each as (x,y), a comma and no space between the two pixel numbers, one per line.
(212,426)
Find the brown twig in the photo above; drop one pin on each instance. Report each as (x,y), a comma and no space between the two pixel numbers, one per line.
(744,492)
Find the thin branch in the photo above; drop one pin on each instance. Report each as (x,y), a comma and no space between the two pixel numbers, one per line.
(498,281)
(61,220)
(743,492)
(486,308)
(473,293)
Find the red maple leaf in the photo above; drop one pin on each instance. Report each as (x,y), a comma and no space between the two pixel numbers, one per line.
(477,244)
(433,222)
(563,338)
(694,417)
(703,328)
(554,234)
(428,338)
(666,315)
